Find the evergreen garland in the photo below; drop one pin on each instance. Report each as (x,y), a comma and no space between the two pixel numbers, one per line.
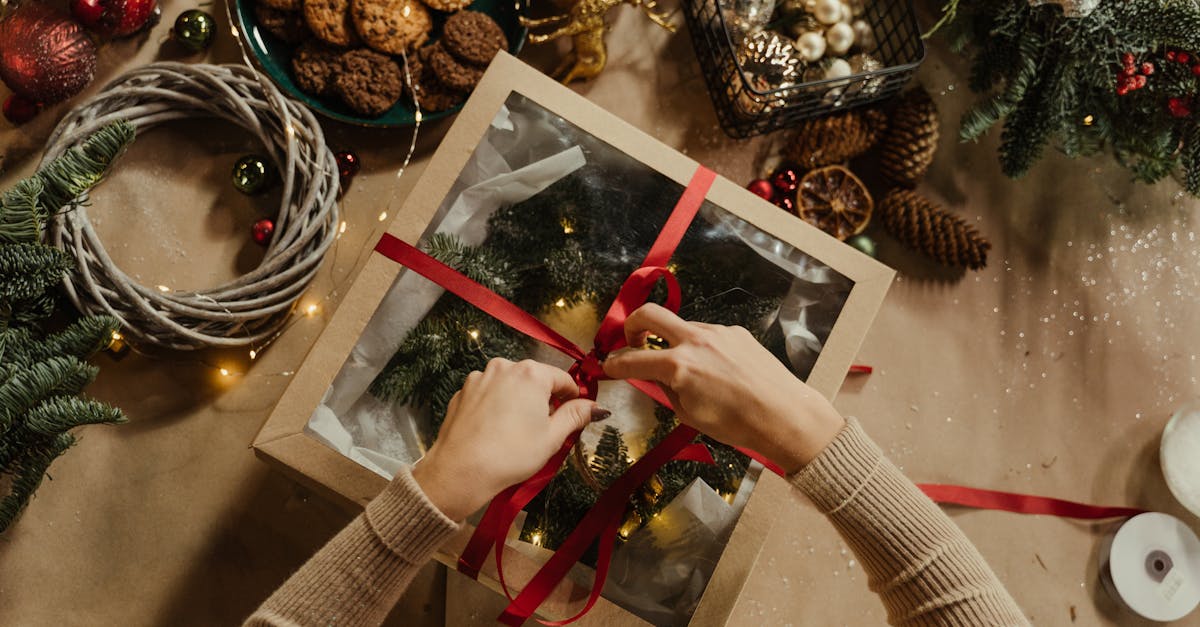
(575,244)
(1081,84)
(41,375)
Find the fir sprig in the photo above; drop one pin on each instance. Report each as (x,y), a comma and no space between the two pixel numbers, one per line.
(1052,80)
(41,375)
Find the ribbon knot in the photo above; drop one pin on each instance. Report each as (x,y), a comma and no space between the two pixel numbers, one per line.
(588,372)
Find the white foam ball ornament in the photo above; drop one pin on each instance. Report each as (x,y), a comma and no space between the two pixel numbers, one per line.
(839,68)
(811,46)
(839,38)
(827,11)
(864,35)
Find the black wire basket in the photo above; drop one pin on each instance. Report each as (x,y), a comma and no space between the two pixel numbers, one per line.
(746,109)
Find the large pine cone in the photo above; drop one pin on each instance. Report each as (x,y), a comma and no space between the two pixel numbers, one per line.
(923,226)
(907,149)
(836,138)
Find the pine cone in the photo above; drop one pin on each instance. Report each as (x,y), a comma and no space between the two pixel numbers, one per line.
(836,138)
(922,225)
(907,148)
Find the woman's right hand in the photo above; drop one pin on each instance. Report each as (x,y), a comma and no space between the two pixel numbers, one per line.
(726,385)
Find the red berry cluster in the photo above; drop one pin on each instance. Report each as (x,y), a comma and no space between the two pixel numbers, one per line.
(1132,75)
(1191,60)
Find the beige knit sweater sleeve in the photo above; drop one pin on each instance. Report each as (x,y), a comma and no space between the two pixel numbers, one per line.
(359,575)
(921,565)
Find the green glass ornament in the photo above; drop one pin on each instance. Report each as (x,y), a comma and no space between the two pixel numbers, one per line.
(251,174)
(194,30)
(863,243)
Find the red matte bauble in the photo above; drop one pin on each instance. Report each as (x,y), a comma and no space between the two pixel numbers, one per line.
(1179,107)
(348,164)
(787,203)
(44,55)
(19,109)
(786,179)
(763,189)
(262,231)
(114,18)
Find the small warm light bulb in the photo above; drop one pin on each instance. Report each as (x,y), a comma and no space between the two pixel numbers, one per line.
(560,303)
(342,228)
(474,334)
(116,336)
(567,227)
(163,288)
(253,354)
(673,268)
(310,310)
(291,130)
(224,372)
(382,216)
(536,538)
(1088,120)
(417,116)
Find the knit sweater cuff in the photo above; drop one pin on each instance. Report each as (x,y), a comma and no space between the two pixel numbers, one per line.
(836,475)
(406,521)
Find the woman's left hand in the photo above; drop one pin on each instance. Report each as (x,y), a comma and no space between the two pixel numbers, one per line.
(499,430)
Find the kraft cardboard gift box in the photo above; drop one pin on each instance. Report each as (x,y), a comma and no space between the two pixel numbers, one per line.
(319,447)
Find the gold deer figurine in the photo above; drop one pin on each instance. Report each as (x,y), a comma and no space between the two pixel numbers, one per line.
(585,24)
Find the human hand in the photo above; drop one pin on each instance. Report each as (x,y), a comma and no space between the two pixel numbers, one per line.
(725,384)
(500,428)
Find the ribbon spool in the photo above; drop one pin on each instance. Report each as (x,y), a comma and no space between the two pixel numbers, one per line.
(1151,566)
(1179,455)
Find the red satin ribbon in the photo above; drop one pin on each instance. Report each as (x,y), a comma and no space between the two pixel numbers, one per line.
(604,519)
(1021,503)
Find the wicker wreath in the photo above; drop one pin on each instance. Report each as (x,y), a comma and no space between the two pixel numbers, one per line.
(250,309)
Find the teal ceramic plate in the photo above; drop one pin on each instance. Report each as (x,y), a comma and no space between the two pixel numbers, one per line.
(274,58)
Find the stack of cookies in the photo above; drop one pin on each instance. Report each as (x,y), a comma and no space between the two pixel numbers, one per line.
(353,50)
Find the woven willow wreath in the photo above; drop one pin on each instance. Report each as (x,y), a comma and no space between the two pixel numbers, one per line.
(248,310)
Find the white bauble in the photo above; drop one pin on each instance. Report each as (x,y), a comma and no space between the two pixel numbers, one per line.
(839,68)
(827,11)
(864,35)
(847,13)
(839,38)
(811,46)
(857,7)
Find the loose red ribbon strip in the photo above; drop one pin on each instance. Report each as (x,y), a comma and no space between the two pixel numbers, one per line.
(1021,503)
(604,519)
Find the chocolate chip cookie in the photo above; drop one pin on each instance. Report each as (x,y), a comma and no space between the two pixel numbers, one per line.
(287,26)
(473,37)
(391,26)
(314,66)
(369,83)
(330,21)
(451,72)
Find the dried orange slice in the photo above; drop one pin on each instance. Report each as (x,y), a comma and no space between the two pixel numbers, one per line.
(835,201)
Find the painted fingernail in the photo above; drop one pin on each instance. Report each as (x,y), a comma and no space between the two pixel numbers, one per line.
(599,413)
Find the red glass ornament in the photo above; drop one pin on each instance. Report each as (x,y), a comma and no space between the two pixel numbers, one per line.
(1129,70)
(1147,68)
(1170,55)
(1196,70)
(1122,89)
(787,203)
(1179,107)
(786,179)
(1183,57)
(114,18)
(1127,59)
(44,55)
(1139,81)
(348,164)
(262,231)
(763,189)
(19,109)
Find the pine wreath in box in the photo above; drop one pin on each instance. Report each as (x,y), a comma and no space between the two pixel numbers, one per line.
(41,375)
(575,244)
